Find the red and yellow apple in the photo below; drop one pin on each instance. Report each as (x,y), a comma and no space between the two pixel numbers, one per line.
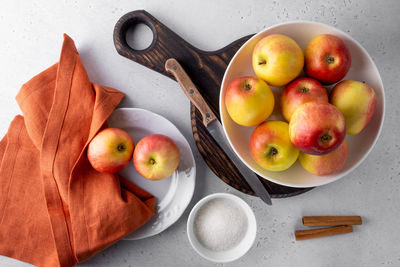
(156,157)
(327,58)
(357,102)
(277,59)
(317,128)
(271,148)
(327,164)
(249,101)
(110,150)
(300,91)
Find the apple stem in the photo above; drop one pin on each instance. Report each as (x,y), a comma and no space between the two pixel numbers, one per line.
(247,87)
(262,61)
(121,147)
(273,151)
(326,138)
(152,161)
(330,59)
(304,90)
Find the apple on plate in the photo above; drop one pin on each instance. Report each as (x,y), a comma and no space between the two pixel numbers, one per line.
(156,157)
(327,59)
(271,148)
(300,91)
(110,150)
(317,128)
(327,164)
(249,101)
(277,59)
(357,102)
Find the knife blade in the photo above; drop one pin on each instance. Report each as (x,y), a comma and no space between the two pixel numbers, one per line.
(214,127)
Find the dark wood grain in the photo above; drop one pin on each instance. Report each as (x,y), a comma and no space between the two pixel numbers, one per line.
(206,69)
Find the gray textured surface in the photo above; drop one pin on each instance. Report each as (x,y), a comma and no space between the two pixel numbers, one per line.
(31,39)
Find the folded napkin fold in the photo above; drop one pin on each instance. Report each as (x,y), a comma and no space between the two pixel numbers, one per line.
(55,209)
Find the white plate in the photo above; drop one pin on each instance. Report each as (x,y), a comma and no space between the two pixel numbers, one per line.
(174,193)
(362,69)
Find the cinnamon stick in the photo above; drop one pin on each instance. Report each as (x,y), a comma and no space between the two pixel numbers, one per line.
(331,220)
(322,232)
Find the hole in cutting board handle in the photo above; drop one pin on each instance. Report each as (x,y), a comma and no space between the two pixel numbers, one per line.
(166,44)
(126,34)
(139,36)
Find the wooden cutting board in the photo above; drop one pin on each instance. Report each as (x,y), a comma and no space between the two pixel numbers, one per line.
(206,69)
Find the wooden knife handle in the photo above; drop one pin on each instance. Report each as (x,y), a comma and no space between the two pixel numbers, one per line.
(173,66)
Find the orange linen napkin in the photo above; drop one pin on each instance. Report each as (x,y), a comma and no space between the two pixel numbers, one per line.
(55,209)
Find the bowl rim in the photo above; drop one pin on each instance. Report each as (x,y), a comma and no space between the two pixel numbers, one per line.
(379,80)
(252,224)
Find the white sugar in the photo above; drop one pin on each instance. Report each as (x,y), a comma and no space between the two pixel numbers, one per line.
(220,225)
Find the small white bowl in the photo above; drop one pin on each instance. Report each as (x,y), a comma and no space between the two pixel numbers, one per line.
(230,254)
(362,69)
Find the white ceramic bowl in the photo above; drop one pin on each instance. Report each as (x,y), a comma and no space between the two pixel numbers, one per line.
(362,69)
(235,252)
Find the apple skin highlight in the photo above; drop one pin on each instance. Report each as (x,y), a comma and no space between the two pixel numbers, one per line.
(357,101)
(249,100)
(327,59)
(277,59)
(317,128)
(301,91)
(327,164)
(110,150)
(156,157)
(271,148)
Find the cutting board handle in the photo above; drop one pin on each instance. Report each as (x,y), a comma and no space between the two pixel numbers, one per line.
(164,45)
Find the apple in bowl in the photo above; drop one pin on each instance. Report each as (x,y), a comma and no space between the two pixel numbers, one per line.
(110,150)
(277,59)
(249,101)
(317,128)
(271,148)
(156,157)
(301,91)
(327,59)
(357,101)
(327,164)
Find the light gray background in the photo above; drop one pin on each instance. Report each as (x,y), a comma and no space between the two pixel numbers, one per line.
(31,37)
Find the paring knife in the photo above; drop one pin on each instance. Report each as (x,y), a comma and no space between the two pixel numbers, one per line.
(214,127)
